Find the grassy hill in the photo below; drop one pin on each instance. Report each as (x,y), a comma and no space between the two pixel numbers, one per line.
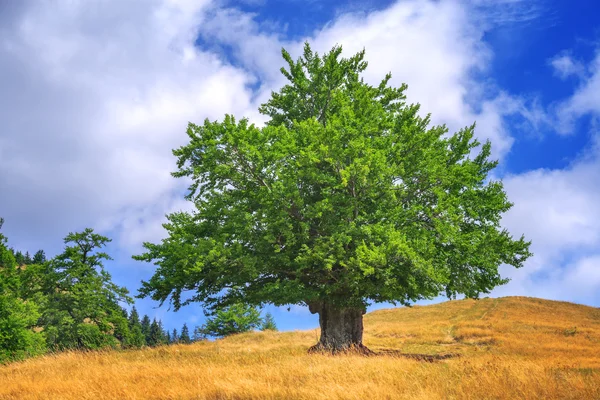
(507,348)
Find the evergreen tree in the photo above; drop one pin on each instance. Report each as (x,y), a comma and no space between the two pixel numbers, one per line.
(134,317)
(185,335)
(168,337)
(19,258)
(174,337)
(145,326)
(28,260)
(137,337)
(163,333)
(268,323)
(39,257)
(156,334)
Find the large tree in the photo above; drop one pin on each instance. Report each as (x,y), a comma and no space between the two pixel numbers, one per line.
(347,196)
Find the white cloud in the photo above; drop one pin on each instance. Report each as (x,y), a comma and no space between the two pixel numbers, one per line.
(95,96)
(565,66)
(558,210)
(435,47)
(584,101)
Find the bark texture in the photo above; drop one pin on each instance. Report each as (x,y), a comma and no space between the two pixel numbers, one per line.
(341,328)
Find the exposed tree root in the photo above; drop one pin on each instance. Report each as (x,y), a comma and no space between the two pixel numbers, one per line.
(359,349)
(363,350)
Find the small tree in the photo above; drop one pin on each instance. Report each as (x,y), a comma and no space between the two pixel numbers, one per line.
(174,336)
(237,318)
(19,258)
(82,308)
(39,257)
(137,337)
(156,336)
(268,323)
(145,326)
(185,335)
(347,196)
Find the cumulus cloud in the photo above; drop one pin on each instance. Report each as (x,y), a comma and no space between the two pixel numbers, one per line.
(95,95)
(586,98)
(558,210)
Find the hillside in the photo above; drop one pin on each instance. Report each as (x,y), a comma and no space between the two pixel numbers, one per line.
(507,348)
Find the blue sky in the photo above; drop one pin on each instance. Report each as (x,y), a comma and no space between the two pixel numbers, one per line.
(95,94)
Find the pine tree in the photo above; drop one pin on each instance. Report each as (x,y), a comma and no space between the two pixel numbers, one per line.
(163,333)
(137,337)
(185,335)
(156,334)
(174,337)
(268,323)
(19,258)
(168,337)
(28,259)
(145,327)
(39,257)
(134,317)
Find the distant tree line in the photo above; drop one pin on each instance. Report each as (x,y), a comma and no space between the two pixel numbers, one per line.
(70,302)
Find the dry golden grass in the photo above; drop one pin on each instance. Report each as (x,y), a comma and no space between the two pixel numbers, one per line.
(510,348)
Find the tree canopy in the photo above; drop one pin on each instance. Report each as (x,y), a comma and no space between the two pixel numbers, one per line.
(347,196)
(82,307)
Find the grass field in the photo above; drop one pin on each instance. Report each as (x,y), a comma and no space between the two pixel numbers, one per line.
(508,348)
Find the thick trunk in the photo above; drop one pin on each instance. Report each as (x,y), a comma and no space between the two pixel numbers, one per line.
(341,328)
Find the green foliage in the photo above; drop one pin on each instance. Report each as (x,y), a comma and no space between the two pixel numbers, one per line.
(145,327)
(237,318)
(82,308)
(268,323)
(185,335)
(39,257)
(174,337)
(156,336)
(347,196)
(137,338)
(18,316)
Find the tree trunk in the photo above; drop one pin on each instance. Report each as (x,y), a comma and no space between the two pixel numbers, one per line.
(341,329)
